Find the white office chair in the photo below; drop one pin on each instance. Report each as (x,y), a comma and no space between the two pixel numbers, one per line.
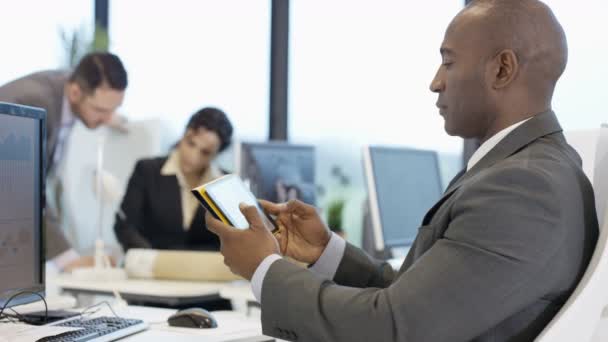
(578,318)
(600,179)
(585,142)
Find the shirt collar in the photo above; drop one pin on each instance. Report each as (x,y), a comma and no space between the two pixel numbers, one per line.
(67,116)
(171,168)
(489,144)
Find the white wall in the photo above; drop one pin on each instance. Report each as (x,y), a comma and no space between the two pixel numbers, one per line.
(360,74)
(30,31)
(183,55)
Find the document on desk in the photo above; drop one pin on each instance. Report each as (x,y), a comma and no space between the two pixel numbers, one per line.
(16,332)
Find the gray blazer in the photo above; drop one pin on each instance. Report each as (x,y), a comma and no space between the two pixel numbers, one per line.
(44,90)
(494,259)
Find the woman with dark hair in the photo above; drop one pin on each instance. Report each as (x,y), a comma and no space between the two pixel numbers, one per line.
(158,211)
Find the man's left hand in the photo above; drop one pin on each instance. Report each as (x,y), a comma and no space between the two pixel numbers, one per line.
(244,250)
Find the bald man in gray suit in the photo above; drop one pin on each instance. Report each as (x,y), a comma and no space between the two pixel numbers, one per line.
(91,94)
(496,257)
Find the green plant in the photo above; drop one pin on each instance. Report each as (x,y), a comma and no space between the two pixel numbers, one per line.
(335,207)
(76,44)
(335,211)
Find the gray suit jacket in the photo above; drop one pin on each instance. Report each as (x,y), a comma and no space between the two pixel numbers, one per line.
(44,90)
(494,259)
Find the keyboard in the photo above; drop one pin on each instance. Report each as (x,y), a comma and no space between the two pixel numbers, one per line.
(100,329)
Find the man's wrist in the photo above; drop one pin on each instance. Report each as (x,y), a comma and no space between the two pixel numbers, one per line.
(257,280)
(327,264)
(328,236)
(323,245)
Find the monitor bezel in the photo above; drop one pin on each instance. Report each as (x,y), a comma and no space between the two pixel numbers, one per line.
(38,288)
(376,219)
(243,145)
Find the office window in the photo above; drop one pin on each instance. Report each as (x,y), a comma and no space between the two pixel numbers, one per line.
(182,55)
(360,74)
(31,39)
(579,100)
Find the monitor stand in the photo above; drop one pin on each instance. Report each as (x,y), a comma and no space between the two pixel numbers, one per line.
(398,255)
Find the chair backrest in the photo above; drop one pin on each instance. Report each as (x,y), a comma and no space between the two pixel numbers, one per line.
(577,319)
(585,142)
(600,177)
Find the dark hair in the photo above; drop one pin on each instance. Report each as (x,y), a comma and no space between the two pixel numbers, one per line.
(97,68)
(214,120)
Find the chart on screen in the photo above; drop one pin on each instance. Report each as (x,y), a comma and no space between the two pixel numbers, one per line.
(17,198)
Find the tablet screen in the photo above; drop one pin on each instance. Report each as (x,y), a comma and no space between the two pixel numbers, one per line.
(227,193)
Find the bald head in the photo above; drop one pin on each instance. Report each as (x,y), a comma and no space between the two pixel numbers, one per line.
(501,60)
(529,28)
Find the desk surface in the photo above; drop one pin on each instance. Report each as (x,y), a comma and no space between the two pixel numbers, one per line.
(232,326)
(53,303)
(238,291)
(172,293)
(141,286)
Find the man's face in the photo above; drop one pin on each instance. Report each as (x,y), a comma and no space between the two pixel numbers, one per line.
(96,108)
(464,97)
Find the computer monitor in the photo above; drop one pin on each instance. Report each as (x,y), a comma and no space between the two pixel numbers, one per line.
(403,184)
(22,144)
(278,171)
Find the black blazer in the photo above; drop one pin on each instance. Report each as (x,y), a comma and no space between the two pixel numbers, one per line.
(153,213)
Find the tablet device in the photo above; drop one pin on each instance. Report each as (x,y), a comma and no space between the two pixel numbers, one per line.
(222,197)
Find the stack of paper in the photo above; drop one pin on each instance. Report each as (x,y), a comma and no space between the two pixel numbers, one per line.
(17,332)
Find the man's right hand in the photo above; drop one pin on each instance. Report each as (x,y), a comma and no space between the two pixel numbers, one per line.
(302,234)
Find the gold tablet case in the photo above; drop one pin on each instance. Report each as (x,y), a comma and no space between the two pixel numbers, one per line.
(201,194)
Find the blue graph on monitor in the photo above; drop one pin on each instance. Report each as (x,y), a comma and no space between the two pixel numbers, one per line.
(15,148)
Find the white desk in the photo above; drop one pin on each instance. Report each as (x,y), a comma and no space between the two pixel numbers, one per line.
(238,291)
(232,326)
(241,296)
(165,292)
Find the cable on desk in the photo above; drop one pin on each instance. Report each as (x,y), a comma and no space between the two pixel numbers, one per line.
(46,307)
(15,315)
(5,318)
(105,302)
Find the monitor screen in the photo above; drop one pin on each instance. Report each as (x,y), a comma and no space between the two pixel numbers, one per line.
(278,172)
(20,201)
(405,184)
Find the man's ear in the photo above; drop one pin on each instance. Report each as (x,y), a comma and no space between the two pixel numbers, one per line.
(74,92)
(504,69)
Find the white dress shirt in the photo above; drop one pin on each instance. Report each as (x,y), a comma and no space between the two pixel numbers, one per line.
(489,144)
(68,119)
(328,263)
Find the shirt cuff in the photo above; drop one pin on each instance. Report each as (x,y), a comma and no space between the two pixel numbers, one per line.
(327,264)
(64,259)
(260,273)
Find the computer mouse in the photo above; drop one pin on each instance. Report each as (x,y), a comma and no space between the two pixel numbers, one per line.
(192,318)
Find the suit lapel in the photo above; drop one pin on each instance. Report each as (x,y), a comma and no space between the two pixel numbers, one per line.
(537,127)
(53,117)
